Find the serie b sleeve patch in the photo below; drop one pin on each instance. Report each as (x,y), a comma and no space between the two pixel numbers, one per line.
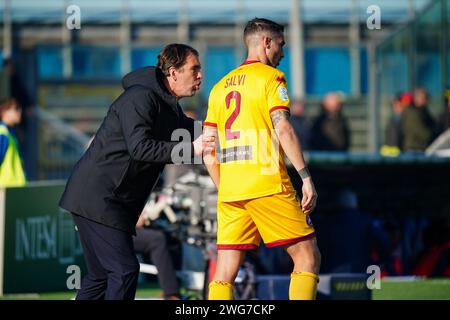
(282,93)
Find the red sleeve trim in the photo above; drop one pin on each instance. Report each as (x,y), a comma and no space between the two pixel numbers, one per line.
(237,247)
(278,108)
(281,79)
(289,241)
(210,124)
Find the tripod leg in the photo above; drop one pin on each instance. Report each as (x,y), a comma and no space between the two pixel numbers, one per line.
(206,281)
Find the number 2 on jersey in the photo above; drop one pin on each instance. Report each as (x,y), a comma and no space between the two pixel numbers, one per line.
(230,135)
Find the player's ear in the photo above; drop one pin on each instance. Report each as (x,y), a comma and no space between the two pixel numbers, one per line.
(172,73)
(267,42)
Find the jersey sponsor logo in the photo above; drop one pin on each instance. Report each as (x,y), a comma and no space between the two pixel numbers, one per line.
(235,154)
(282,93)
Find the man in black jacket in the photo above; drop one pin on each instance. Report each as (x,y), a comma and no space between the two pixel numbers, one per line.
(330,131)
(110,184)
(418,125)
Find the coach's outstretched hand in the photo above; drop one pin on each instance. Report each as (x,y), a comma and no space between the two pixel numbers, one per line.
(204,144)
(309,198)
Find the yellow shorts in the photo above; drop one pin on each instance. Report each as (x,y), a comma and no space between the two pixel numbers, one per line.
(278,219)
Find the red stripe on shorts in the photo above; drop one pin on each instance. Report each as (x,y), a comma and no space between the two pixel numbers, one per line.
(237,246)
(290,241)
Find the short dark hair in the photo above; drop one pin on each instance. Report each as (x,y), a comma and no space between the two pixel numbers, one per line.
(259,25)
(6,104)
(174,55)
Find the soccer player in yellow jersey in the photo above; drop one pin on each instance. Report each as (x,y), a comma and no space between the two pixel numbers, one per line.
(248,111)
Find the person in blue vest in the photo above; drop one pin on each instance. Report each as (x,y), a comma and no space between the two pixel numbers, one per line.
(11,168)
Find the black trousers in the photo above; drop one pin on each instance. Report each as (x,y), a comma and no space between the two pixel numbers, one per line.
(112,265)
(152,244)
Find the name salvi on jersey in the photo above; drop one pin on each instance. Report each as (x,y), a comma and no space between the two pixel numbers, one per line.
(236,80)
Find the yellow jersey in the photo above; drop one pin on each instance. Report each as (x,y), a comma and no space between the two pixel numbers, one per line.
(250,156)
(11,170)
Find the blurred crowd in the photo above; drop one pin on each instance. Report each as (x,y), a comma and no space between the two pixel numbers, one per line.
(412,128)
(329,131)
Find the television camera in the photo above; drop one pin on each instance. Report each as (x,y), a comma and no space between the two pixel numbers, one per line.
(187,209)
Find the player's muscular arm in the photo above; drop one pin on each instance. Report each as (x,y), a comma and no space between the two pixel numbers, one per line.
(209,158)
(288,139)
(293,150)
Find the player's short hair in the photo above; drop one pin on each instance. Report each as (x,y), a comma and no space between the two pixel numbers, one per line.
(257,25)
(8,103)
(174,55)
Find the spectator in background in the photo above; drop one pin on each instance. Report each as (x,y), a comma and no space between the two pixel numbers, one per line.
(406,238)
(412,241)
(435,259)
(152,243)
(300,123)
(394,136)
(11,169)
(348,236)
(330,129)
(418,126)
(395,232)
(444,117)
(19,93)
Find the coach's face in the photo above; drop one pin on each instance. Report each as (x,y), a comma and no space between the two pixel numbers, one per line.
(188,78)
(274,50)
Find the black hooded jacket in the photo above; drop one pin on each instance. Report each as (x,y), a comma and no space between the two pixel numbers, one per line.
(112,181)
